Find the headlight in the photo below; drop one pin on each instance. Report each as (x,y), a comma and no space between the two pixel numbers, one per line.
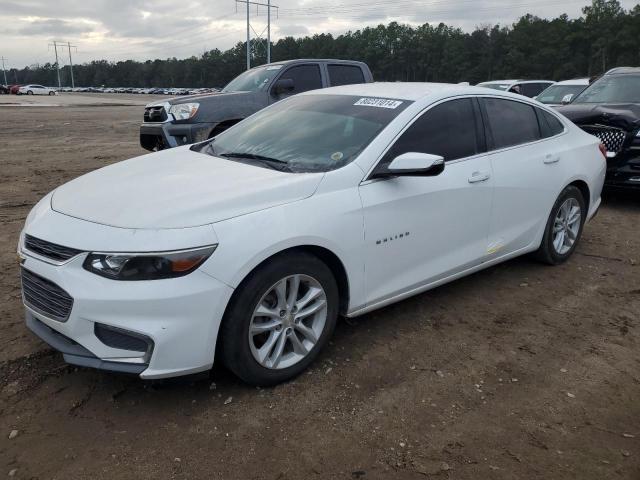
(147,266)
(184,111)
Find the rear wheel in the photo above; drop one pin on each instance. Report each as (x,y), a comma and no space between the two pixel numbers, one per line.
(564,227)
(280,319)
(29,92)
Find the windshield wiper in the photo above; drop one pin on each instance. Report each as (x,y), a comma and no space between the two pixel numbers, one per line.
(283,164)
(252,156)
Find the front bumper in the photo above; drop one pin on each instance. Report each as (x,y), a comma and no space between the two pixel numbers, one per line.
(623,171)
(157,136)
(179,316)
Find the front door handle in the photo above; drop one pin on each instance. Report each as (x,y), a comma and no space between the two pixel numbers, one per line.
(479,177)
(551,158)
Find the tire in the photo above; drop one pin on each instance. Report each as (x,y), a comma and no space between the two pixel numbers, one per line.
(29,92)
(52,93)
(240,351)
(549,252)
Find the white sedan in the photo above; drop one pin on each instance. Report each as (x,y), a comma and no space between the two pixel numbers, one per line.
(332,202)
(34,89)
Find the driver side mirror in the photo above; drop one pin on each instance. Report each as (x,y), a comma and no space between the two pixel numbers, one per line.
(413,164)
(284,85)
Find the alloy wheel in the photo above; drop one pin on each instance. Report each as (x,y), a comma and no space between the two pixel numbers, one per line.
(288,321)
(566,226)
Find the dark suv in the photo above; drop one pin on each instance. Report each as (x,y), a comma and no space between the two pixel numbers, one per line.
(610,109)
(190,119)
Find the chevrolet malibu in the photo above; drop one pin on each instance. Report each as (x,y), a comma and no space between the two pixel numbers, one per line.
(247,247)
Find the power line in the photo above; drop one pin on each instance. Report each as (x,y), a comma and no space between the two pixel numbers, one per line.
(401,6)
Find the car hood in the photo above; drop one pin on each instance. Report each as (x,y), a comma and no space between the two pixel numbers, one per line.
(214,96)
(178,188)
(622,115)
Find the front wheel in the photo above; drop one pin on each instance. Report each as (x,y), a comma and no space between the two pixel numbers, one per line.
(280,318)
(564,227)
(52,93)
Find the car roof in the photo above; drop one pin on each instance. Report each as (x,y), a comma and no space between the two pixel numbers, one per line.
(306,60)
(574,81)
(515,81)
(623,71)
(401,90)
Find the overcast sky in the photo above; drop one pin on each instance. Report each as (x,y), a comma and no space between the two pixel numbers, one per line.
(143,29)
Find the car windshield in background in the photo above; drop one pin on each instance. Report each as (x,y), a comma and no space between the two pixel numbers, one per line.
(308,133)
(496,86)
(612,89)
(556,93)
(253,80)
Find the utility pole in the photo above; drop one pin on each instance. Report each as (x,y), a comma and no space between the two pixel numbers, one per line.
(258,5)
(71,63)
(4,72)
(268,31)
(55,47)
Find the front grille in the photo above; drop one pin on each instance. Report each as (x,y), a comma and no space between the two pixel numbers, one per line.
(49,250)
(155,114)
(45,297)
(612,138)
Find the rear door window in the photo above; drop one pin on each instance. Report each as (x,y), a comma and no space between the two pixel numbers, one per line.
(305,77)
(510,122)
(345,75)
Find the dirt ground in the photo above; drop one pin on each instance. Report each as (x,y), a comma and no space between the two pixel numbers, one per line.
(522,371)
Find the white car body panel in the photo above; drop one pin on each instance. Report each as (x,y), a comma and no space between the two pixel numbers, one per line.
(479,211)
(177,191)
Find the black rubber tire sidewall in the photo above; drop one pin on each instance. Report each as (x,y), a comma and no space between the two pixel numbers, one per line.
(235,351)
(547,253)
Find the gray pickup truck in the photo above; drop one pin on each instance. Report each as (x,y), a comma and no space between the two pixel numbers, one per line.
(185,120)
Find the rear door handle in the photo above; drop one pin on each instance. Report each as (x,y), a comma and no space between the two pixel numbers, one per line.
(551,158)
(477,177)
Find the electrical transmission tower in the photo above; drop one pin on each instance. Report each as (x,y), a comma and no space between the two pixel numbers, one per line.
(55,45)
(249,27)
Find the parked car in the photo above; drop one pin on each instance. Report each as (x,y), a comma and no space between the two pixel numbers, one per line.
(528,88)
(335,201)
(4,90)
(35,89)
(13,89)
(561,93)
(610,109)
(189,119)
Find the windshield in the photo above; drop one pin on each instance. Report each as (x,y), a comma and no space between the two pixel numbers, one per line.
(612,89)
(556,93)
(253,80)
(496,86)
(309,133)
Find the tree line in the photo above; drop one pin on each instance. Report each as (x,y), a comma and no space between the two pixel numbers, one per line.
(603,37)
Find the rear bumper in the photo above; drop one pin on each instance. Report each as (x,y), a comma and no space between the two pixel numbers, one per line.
(157,136)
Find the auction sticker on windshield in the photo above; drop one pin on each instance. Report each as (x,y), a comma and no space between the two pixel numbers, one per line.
(379,102)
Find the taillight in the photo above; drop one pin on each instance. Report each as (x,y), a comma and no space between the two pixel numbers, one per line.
(603,150)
